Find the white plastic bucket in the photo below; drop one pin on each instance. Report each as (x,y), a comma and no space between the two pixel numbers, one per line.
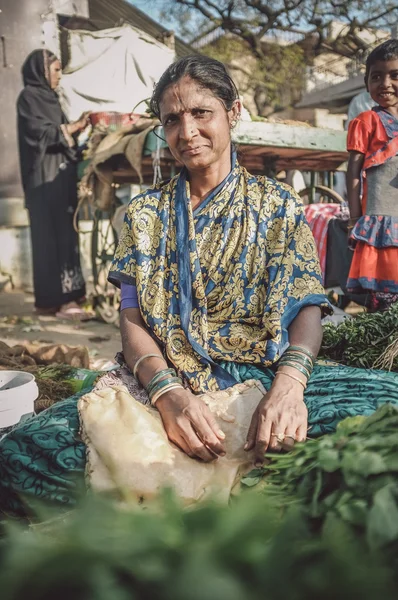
(18,392)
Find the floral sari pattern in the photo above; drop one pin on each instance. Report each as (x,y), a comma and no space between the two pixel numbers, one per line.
(222,282)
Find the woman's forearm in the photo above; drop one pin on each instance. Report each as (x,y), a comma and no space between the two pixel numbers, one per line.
(306,329)
(136,342)
(281,416)
(187,420)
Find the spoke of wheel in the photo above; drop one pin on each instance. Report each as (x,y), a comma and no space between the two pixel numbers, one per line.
(104,241)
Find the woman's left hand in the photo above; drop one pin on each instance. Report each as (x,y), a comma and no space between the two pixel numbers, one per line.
(280,419)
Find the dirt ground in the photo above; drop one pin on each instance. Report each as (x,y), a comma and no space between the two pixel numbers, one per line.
(18,324)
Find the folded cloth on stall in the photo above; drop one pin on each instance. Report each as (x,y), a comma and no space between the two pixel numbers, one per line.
(96,184)
(318,217)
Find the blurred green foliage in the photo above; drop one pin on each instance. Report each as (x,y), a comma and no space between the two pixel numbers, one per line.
(247,551)
(275,82)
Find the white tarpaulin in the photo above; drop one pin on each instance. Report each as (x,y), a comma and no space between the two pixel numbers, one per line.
(112,70)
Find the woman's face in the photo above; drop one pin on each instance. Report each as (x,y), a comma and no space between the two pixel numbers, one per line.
(196,124)
(55,74)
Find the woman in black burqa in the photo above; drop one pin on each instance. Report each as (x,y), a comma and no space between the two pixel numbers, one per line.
(48,159)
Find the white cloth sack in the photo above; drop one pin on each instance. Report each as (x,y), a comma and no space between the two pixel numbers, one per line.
(130,457)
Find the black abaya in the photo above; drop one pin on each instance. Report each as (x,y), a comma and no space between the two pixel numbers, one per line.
(48,169)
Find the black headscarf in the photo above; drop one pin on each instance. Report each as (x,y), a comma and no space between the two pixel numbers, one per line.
(39,118)
(35,70)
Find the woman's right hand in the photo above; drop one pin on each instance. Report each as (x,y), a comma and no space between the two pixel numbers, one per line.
(190,425)
(82,121)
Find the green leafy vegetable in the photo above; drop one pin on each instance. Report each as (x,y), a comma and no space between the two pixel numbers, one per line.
(351,475)
(363,341)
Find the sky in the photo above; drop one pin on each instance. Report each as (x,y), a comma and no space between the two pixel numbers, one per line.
(151,8)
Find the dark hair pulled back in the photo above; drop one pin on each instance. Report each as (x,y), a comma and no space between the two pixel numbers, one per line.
(207,72)
(386,51)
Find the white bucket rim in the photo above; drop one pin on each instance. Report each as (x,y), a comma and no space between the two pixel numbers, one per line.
(30,377)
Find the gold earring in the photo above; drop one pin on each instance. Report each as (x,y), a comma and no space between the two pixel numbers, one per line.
(232,124)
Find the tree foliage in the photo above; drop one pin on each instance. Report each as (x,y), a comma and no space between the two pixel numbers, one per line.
(273,74)
(274,82)
(251,20)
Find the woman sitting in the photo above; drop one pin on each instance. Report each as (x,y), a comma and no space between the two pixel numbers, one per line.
(220,284)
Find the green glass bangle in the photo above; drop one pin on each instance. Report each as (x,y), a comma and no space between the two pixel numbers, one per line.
(299,354)
(295,362)
(303,350)
(296,366)
(304,360)
(158,377)
(161,384)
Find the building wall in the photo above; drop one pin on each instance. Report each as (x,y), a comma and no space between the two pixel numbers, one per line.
(330,68)
(21,28)
(50,28)
(317,117)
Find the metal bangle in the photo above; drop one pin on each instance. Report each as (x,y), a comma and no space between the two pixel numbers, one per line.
(301,358)
(156,396)
(143,358)
(299,368)
(303,350)
(162,384)
(297,359)
(292,377)
(296,366)
(306,366)
(158,377)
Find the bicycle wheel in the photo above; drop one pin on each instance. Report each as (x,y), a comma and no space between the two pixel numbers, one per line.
(104,241)
(322,194)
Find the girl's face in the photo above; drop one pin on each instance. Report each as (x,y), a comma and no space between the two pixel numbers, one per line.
(382,83)
(196,124)
(55,74)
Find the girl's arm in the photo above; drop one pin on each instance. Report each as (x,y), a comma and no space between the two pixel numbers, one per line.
(355,163)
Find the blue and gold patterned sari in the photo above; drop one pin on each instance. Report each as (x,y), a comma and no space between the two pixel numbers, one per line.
(222,282)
